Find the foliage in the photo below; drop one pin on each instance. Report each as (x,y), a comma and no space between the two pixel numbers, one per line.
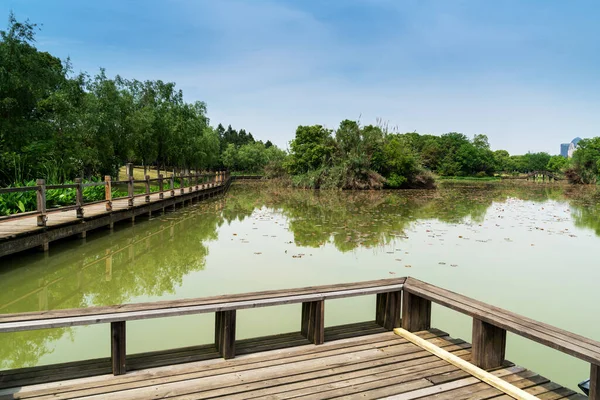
(57,125)
(586,162)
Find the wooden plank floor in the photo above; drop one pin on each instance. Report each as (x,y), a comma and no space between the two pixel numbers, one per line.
(378,365)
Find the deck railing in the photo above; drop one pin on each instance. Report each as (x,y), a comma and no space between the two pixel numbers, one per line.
(401,302)
(186,181)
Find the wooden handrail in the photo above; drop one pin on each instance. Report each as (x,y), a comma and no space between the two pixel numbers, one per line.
(490,325)
(215,301)
(225,307)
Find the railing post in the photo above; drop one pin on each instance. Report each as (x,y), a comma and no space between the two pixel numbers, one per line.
(489,344)
(190,183)
(160,187)
(388,309)
(196,179)
(416,312)
(225,333)
(594,382)
(129,168)
(172,183)
(313,321)
(41,202)
(130,200)
(79,197)
(147,188)
(108,192)
(182,184)
(118,351)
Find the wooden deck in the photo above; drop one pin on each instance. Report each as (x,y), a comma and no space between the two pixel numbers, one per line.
(19,233)
(363,360)
(375,366)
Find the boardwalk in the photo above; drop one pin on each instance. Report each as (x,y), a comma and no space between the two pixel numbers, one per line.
(18,233)
(367,367)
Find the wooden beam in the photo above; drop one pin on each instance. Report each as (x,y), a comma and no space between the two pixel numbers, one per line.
(466,366)
(388,309)
(118,351)
(147,185)
(79,197)
(416,312)
(98,315)
(108,192)
(41,202)
(489,344)
(313,321)
(594,382)
(225,333)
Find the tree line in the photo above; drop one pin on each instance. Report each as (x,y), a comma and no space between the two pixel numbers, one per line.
(58,125)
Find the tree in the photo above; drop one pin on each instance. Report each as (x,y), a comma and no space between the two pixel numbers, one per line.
(557,164)
(312,148)
(586,162)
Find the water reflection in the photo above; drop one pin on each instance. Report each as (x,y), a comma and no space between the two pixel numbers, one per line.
(151,259)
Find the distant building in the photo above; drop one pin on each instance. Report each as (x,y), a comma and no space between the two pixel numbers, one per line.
(567,149)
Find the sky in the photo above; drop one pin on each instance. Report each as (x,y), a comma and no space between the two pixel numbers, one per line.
(525,73)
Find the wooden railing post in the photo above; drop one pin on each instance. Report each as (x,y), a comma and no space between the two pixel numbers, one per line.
(388,309)
(130,200)
(313,321)
(79,197)
(489,344)
(160,187)
(196,179)
(41,202)
(225,333)
(147,183)
(182,184)
(190,182)
(118,351)
(172,183)
(594,382)
(416,312)
(108,192)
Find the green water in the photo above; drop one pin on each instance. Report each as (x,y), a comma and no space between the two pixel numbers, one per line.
(531,249)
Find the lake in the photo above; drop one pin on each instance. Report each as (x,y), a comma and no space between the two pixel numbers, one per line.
(529,248)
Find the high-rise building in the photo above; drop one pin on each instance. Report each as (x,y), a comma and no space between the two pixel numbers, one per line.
(564,150)
(567,149)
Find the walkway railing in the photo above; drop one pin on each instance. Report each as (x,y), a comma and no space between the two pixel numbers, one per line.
(401,302)
(189,180)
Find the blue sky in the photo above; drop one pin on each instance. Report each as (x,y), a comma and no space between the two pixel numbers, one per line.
(526,73)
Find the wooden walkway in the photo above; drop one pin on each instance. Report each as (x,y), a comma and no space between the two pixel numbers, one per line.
(363,360)
(19,233)
(381,365)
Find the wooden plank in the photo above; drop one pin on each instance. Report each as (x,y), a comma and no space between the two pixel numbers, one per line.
(465,366)
(416,312)
(343,366)
(489,344)
(430,391)
(118,351)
